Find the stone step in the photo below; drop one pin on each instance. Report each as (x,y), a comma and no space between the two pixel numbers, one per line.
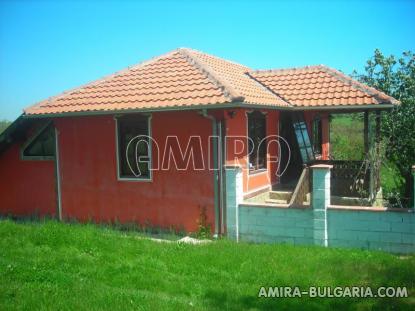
(275,201)
(280,195)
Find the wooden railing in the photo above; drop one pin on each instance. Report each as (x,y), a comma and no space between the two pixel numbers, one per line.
(302,189)
(349,178)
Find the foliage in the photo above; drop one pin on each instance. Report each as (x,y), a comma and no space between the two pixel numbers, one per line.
(396,77)
(3,125)
(346,137)
(56,266)
(204,229)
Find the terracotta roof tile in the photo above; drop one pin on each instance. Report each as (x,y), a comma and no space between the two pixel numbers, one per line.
(185,78)
(319,86)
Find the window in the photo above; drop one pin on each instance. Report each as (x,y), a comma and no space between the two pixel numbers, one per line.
(133,147)
(317,135)
(257,133)
(41,146)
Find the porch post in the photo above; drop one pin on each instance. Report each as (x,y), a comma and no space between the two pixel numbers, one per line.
(233,196)
(413,186)
(320,200)
(366,132)
(325,128)
(377,147)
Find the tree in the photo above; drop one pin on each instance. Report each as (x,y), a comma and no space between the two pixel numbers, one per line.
(396,77)
(3,125)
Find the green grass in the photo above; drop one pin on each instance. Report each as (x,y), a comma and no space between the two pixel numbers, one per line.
(49,265)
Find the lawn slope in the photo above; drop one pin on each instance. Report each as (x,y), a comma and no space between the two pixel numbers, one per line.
(49,265)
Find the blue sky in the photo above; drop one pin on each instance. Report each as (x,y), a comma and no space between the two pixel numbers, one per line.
(47,47)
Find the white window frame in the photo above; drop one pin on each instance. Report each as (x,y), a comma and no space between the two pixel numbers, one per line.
(150,147)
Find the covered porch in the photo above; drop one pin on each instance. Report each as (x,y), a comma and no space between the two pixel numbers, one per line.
(308,138)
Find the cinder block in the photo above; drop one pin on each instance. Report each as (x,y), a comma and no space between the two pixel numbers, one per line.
(402,227)
(319,234)
(306,223)
(319,214)
(318,203)
(408,238)
(294,232)
(394,217)
(319,224)
(274,230)
(379,226)
(392,237)
(368,236)
(309,233)
(347,235)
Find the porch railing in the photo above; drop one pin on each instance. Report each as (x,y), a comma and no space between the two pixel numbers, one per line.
(302,190)
(349,178)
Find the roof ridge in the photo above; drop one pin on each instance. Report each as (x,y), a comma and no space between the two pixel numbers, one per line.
(227,89)
(244,72)
(214,56)
(358,85)
(102,79)
(268,89)
(287,69)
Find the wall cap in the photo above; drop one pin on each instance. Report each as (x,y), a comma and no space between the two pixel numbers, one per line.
(273,205)
(370,209)
(321,166)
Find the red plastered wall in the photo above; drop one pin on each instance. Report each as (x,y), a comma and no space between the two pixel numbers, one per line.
(27,188)
(236,126)
(91,190)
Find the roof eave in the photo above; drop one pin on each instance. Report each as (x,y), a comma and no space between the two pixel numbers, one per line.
(384,106)
(236,104)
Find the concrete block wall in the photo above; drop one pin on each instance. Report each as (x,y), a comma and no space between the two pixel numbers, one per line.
(322,224)
(234,196)
(390,231)
(260,223)
(320,200)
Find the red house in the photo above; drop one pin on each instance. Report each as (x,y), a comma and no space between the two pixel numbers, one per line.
(149,144)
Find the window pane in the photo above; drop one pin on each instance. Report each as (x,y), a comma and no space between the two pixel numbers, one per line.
(43,145)
(133,146)
(317,135)
(257,133)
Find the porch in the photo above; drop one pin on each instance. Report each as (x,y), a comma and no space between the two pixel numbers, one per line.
(355,180)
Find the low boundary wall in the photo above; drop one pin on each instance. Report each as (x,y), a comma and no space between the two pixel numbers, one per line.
(374,228)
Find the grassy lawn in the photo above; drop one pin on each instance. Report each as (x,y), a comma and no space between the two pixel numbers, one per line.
(48,265)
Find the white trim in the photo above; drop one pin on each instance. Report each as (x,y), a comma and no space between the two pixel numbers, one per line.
(150,146)
(58,175)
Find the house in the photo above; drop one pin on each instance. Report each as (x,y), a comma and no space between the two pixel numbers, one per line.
(149,144)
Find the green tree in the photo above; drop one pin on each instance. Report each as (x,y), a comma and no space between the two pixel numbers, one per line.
(3,125)
(396,77)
